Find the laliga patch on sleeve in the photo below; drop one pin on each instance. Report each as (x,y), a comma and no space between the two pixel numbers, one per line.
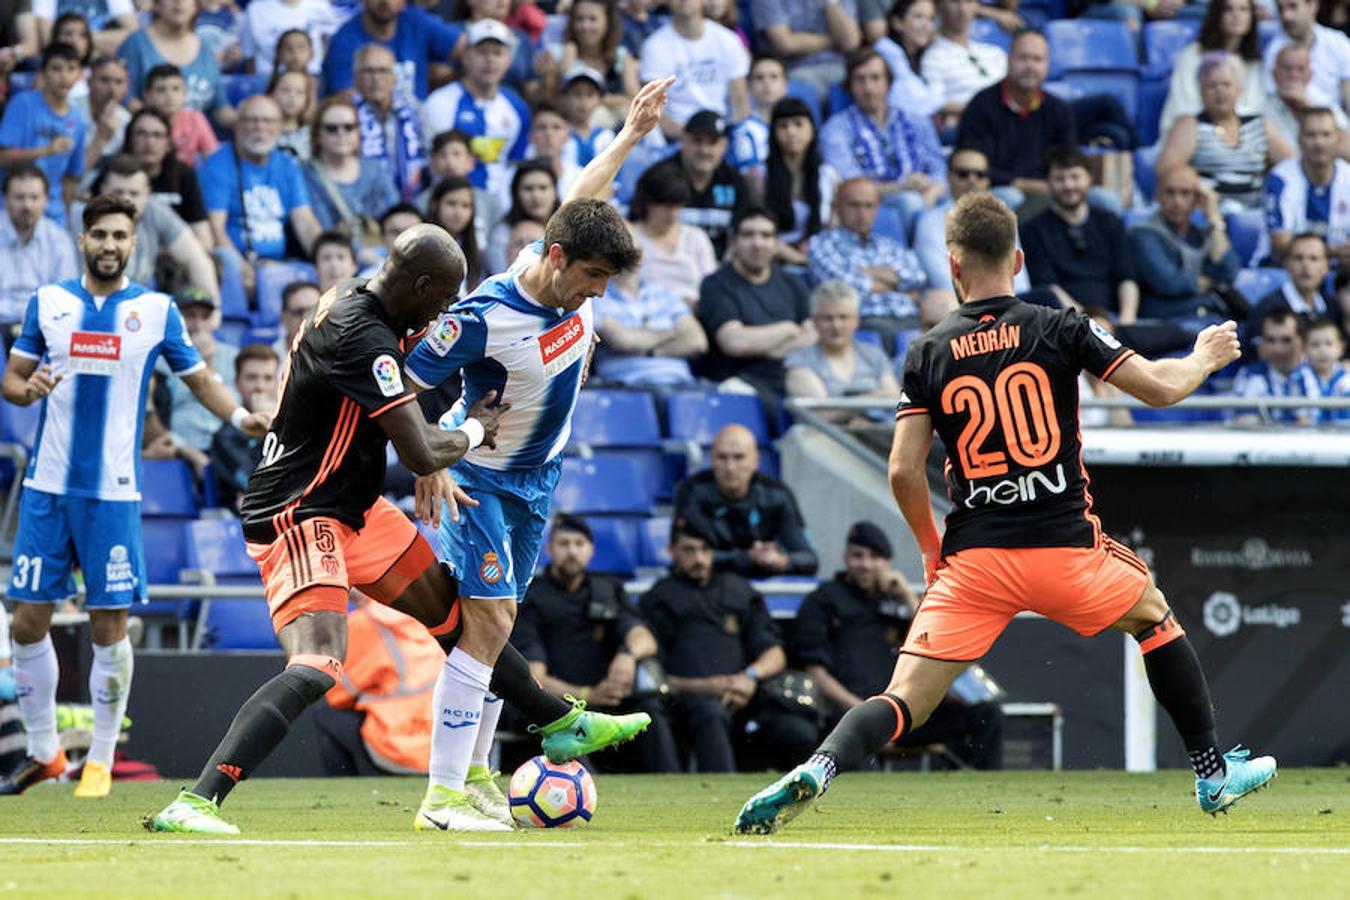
(1103,335)
(387,376)
(445,335)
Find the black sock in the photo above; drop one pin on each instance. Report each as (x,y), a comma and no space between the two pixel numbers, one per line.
(1179,684)
(259,726)
(864,730)
(512,681)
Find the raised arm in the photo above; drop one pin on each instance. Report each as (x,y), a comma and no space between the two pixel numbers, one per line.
(596,181)
(1163,382)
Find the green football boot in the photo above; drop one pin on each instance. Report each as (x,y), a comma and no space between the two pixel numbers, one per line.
(581,732)
(445,810)
(190,814)
(486,796)
(782,801)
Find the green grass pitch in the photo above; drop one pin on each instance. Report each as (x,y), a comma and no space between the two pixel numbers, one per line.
(948,835)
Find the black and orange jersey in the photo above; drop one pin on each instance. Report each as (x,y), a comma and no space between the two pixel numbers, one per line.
(325,453)
(999,378)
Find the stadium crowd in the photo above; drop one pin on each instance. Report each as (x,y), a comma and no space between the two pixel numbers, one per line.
(790,213)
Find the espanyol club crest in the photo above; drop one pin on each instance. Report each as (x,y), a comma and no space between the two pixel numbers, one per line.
(133,322)
(491,570)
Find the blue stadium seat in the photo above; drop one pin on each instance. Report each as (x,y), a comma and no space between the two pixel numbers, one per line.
(839,99)
(698,416)
(804,92)
(1152,98)
(602,485)
(217,546)
(167,489)
(1163,40)
(1245,230)
(990,32)
(1257,283)
(240,87)
(272,280)
(614,418)
(1266,31)
(889,223)
(19,424)
(616,545)
(654,542)
(1145,158)
(1090,45)
(266,336)
(640,160)
(166,555)
(866,336)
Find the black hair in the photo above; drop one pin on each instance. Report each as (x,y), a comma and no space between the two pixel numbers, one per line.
(88,32)
(1211,33)
(107,205)
(778,179)
(161,72)
(337,239)
(468,238)
(575,524)
(897,11)
(23,171)
(453,136)
(396,209)
(528,167)
(681,526)
(592,230)
(752,211)
(60,51)
(659,186)
(294,288)
(1066,156)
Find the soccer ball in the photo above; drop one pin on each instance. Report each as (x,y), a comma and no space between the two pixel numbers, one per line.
(552,795)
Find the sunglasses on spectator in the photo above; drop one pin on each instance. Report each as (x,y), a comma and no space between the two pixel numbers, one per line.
(970,173)
(338,127)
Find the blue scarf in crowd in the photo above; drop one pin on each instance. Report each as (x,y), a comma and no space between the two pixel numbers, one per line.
(888,157)
(409,159)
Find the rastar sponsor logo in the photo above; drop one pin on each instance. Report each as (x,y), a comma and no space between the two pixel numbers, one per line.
(562,345)
(95,353)
(1022,489)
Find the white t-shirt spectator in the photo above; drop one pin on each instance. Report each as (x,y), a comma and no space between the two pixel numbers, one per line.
(265,21)
(704,67)
(960,73)
(1330,57)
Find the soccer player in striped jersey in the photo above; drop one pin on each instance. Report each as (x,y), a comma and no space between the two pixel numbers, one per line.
(525,335)
(86,351)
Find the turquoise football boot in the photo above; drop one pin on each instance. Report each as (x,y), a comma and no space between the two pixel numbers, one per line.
(782,801)
(1242,776)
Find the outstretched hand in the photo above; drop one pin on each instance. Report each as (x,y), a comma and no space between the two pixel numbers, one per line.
(644,113)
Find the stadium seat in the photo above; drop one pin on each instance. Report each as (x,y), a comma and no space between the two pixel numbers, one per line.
(697,416)
(19,424)
(866,336)
(240,87)
(889,223)
(1257,283)
(167,489)
(839,99)
(1078,45)
(1145,158)
(615,418)
(266,336)
(233,299)
(217,546)
(616,545)
(803,91)
(1163,40)
(1152,97)
(602,485)
(990,32)
(272,280)
(1266,31)
(1246,230)
(166,555)
(654,542)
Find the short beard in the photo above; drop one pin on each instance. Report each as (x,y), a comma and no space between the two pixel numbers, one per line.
(92,267)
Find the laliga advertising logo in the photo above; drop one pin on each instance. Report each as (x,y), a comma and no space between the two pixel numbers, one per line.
(1223,613)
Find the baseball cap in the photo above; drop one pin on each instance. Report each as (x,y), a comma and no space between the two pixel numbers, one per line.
(580,71)
(705,121)
(193,295)
(491,30)
(866,534)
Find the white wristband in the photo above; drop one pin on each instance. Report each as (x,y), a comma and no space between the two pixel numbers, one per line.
(474,431)
(237,418)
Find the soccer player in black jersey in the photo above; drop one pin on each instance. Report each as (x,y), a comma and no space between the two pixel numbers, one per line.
(998,380)
(317,525)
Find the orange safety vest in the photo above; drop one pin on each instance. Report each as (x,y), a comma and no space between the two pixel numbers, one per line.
(391,669)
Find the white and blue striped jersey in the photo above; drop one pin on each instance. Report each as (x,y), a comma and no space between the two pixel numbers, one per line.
(89,432)
(1258,379)
(1337,384)
(1292,204)
(501,339)
(498,130)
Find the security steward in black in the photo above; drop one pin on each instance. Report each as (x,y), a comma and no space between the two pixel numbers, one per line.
(849,631)
(583,637)
(718,645)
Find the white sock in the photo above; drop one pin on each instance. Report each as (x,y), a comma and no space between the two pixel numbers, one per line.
(457,707)
(109,687)
(487,730)
(35,674)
